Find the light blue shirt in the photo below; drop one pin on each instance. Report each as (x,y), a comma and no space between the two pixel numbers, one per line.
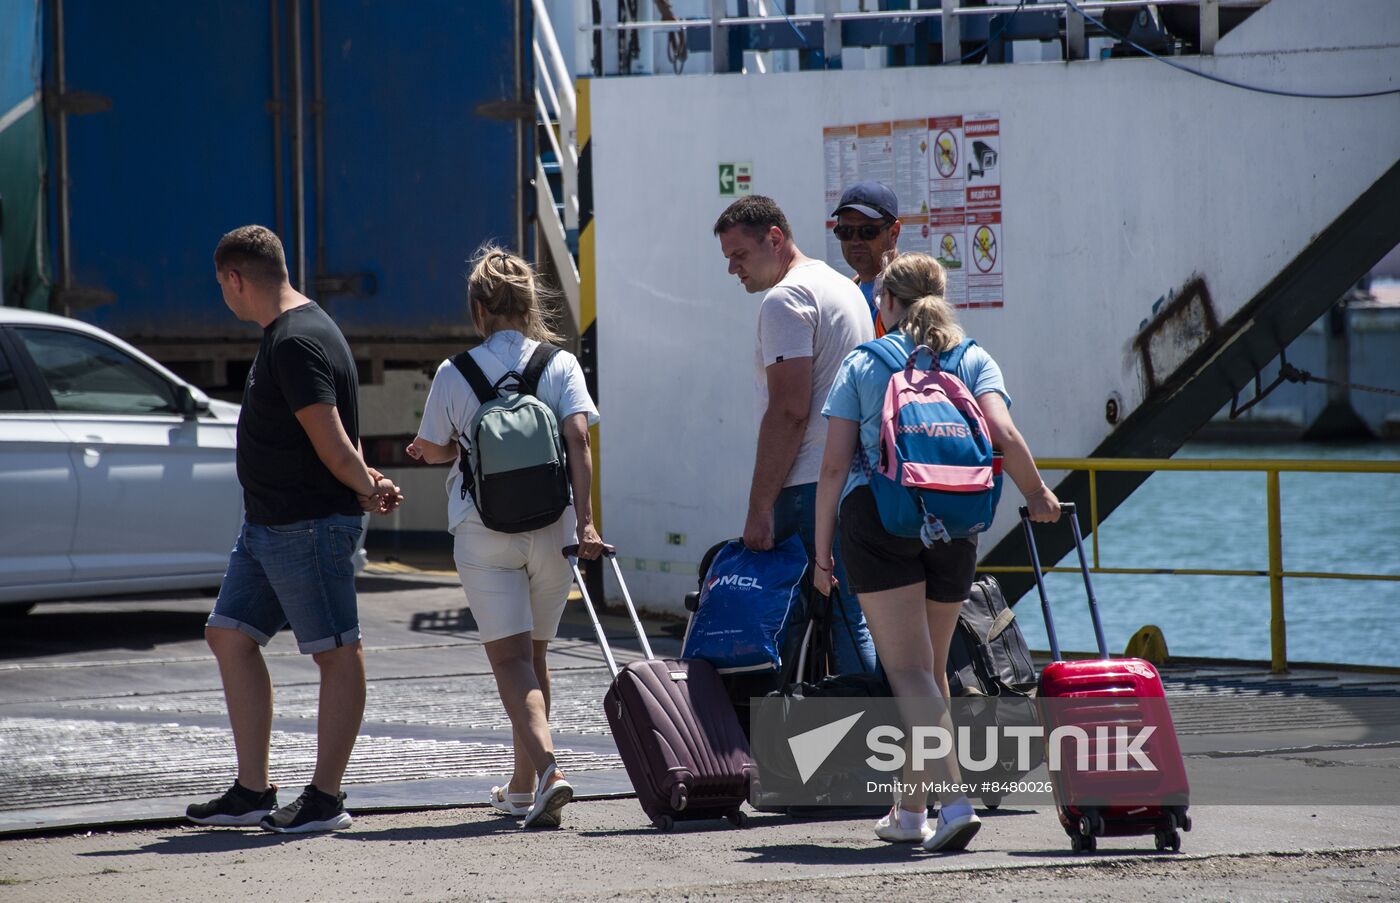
(858,394)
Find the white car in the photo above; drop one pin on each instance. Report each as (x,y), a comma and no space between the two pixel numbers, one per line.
(116,476)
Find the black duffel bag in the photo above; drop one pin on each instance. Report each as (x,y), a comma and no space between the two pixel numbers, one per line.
(988,655)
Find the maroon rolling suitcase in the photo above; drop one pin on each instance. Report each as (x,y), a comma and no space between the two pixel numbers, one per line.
(674,726)
(1110,793)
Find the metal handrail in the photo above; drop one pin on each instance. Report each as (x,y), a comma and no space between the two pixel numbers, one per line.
(544,28)
(1075,14)
(898,14)
(1278,630)
(544,79)
(549,133)
(559,116)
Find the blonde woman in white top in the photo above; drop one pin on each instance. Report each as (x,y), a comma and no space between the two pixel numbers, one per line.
(516,583)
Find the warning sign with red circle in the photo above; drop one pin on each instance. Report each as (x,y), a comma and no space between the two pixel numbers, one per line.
(984,249)
(945,154)
(945,172)
(984,255)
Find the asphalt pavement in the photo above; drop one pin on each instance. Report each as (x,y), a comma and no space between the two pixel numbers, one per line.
(112,720)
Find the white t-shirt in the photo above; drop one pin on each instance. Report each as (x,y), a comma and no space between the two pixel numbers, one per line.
(452,403)
(813,312)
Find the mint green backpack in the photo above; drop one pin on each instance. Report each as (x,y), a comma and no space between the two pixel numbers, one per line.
(514,466)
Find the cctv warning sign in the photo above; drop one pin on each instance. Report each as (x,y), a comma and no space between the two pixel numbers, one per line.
(982,210)
(946,172)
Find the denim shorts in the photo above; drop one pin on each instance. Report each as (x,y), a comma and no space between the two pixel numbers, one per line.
(302,574)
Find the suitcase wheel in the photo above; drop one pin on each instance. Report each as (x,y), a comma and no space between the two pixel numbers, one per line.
(1090,824)
(1168,840)
(738,818)
(664,822)
(1082,843)
(991,801)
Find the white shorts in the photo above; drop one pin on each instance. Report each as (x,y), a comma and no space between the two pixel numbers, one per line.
(515,582)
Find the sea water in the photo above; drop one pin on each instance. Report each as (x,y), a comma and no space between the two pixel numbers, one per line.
(1331,522)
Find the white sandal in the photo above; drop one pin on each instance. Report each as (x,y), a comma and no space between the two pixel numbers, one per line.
(890,829)
(549,799)
(508,803)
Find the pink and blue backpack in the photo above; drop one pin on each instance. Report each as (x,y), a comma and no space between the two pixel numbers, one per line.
(938,478)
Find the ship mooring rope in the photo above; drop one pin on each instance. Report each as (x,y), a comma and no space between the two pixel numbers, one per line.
(1293,374)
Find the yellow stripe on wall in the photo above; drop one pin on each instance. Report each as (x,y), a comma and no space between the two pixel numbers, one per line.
(588,282)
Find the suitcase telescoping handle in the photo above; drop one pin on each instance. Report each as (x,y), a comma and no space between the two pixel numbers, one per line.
(610,553)
(1066,508)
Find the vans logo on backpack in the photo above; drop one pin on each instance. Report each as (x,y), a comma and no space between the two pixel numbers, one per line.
(938,477)
(735,580)
(935,430)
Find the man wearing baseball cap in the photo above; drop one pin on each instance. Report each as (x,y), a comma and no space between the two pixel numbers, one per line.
(867,225)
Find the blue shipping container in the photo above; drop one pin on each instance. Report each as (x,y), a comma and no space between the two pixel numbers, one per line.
(414,177)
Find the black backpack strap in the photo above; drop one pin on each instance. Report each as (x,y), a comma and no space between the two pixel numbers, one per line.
(539,359)
(472,373)
(481,387)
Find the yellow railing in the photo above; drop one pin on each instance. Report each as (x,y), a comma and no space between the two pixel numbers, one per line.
(1278,632)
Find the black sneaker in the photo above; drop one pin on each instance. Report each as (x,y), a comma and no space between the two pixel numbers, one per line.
(237,807)
(312,811)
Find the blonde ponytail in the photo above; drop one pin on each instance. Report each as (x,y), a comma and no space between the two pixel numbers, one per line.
(509,290)
(918,284)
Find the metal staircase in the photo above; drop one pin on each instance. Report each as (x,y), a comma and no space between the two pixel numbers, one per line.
(556,159)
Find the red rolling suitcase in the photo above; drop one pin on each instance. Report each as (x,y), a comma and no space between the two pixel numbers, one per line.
(674,727)
(1109,792)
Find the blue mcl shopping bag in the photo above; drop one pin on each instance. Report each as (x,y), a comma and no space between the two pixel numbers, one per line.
(744,607)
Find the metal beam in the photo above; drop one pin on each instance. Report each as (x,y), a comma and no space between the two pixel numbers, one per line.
(1210,25)
(60,128)
(831,36)
(952,32)
(1076,46)
(719,38)
(298,154)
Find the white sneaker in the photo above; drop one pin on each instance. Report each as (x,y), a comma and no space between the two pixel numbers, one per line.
(954,833)
(549,799)
(889,829)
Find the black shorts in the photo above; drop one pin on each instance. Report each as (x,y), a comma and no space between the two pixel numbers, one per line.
(877,561)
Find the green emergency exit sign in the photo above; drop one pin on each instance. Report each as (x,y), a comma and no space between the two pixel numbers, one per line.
(735,179)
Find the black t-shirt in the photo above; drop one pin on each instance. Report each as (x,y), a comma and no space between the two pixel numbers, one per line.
(303,360)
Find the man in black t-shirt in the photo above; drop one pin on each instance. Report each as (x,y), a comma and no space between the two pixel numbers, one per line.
(305,488)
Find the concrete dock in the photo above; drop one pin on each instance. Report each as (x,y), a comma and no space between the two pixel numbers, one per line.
(111,721)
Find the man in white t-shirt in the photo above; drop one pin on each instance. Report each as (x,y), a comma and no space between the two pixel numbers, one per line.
(811,317)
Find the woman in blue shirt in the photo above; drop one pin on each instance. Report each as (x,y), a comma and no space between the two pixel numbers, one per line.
(911,593)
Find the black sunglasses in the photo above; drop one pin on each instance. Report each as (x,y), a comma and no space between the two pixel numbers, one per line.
(866,233)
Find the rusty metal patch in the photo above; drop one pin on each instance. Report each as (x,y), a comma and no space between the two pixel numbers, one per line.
(1182,322)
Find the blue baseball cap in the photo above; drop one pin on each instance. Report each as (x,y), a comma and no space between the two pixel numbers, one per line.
(874,199)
